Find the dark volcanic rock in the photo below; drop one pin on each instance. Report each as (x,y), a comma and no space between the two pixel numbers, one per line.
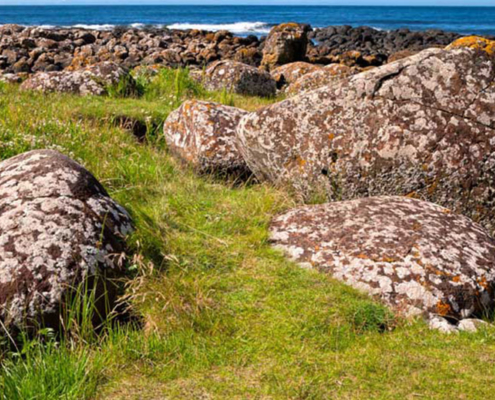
(203,134)
(416,256)
(239,78)
(58,227)
(422,126)
(339,39)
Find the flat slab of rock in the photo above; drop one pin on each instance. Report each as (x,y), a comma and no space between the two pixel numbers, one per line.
(289,73)
(92,80)
(319,78)
(417,257)
(239,78)
(423,126)
(58,227)
(203,134)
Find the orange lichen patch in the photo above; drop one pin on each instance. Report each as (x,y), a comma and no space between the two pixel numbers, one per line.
(447,211)
(389,259)
(474,42)
(331,136)
(362,256)
(456,279)
(483,283)
(412,195)
(433,187)
(416,226)
(443,309)
(317,248)
(301,162)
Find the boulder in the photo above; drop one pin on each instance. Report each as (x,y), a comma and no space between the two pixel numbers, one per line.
(417,257)
(289,73)
(286,43)
(239,78)
(423,126)
(92,80)
(58,229)
(11,78)
(203,134)
(320,77)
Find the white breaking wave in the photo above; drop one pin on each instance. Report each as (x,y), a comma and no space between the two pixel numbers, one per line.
(105,27)
(259,28)
(239,27)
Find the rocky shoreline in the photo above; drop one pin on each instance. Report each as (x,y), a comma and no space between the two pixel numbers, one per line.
(26,50)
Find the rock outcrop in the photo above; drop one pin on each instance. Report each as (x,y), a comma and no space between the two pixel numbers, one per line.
(286,43)
(417,257)
(289,73)
(58,228)
(423,126)
(92,80)
(319,78)
(239,78)
(203,134)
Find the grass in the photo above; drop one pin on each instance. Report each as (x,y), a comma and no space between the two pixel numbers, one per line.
(222,315)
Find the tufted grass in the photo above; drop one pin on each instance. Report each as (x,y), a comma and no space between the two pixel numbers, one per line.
(219,314)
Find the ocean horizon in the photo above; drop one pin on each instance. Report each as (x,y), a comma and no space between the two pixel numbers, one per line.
(257,20)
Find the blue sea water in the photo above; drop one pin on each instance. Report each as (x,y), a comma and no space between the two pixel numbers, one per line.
(245,20)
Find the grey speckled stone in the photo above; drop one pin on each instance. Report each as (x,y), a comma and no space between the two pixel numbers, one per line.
(239,78)
(58,226)
(203,134)
(92,80)
(417,257)
(423,126)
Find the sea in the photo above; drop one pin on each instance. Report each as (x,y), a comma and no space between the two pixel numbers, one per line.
(257,20)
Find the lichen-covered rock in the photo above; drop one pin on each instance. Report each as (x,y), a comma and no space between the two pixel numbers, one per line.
(319,78)
(203,134)
(423,126)
(10,78)
(475,43)
(58,227)
(92,80)
(239,78)
(417,257)
(289,73)
(286,43)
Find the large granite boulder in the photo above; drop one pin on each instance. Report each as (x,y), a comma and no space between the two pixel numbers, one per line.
(91,80)
(289,73)
(319,78)
(58,229)
(423,126)
(417,257)
(203,134)
(286,43)
(239,78)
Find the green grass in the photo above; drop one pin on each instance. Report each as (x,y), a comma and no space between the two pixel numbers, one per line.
(222,315)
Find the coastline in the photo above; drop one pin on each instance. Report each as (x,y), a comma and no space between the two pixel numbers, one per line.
(27,50)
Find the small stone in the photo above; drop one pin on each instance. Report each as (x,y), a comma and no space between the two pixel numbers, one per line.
(471,324)
(442,325)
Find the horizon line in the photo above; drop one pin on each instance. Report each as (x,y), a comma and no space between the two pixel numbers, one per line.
(247,5)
